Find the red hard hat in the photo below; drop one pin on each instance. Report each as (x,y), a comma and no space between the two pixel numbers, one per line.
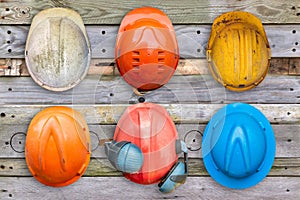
(150,127)
(57,146)
(146,50)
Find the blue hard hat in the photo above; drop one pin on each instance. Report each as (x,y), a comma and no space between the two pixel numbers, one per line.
(238,146)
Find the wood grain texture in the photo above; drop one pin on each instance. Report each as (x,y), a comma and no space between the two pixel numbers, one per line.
(103,96)
(107,67)
(282,39)
(294,67)
(287,167)
(180,113)
(180,12)
(120,188)
(12,139)
(95,89)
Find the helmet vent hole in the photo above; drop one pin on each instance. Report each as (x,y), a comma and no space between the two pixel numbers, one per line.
(135,53)
(161,68)
(289,140)
(294,31)
(136,59)
(161,59)
(245,78)
(136,69)
(294,50)
(161,56)
(198,32)
(241,85)
(287,190)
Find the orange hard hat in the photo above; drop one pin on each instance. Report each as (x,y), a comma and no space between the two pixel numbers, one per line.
(149,127)
(146,50)
(57,146)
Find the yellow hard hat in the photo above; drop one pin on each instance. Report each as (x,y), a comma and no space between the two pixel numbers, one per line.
(238,51)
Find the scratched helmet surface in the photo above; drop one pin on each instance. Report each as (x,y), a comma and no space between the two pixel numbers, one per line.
(57,146)
(238,146)
(57,51)
(238,51)
(146,49)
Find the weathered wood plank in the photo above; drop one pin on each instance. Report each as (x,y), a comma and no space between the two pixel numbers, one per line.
(284,40)
(294,67)
(107,67)
(180,12)
(95,89)
(101,167)
(106,187)
(12,139)
(180,113)
(287,66)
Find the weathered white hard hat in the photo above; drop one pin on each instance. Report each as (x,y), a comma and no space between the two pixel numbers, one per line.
(57,51)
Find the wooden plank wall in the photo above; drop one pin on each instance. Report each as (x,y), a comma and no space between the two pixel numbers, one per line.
(191,97)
